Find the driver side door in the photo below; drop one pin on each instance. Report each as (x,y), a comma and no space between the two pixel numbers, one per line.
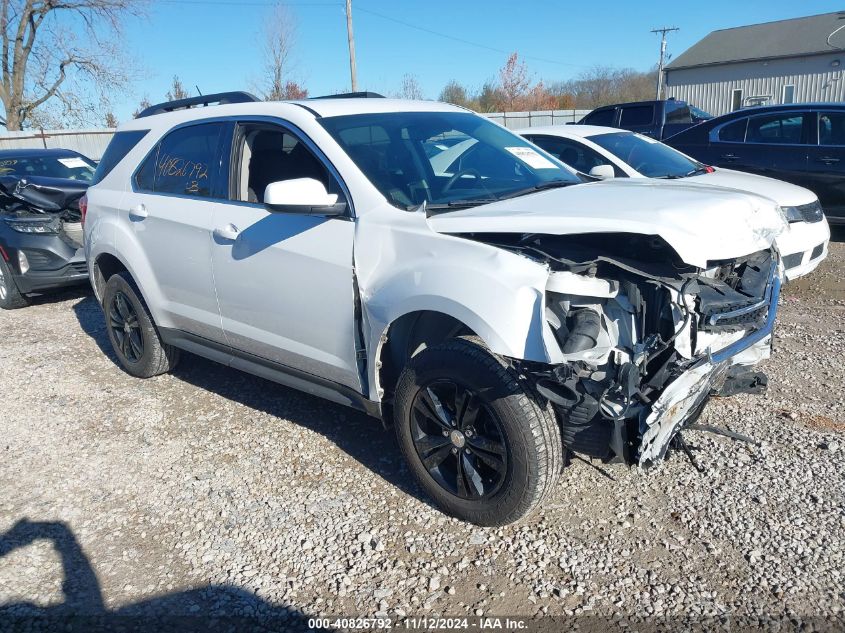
(284,281)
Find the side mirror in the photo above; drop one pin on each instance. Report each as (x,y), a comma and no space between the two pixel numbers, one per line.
(605,172)
(305,196)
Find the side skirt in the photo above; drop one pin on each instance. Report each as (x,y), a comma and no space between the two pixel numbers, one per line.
(270,370)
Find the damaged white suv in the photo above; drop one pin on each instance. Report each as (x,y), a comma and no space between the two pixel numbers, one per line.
(498,309)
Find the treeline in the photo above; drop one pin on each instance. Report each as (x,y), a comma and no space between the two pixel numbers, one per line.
(514,90)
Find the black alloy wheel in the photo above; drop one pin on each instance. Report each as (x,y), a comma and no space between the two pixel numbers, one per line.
(459,440)
(123,320)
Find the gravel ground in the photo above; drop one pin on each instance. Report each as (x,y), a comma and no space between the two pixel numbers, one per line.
(211,492)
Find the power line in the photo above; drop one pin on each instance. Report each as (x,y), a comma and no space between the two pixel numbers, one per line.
(463,41)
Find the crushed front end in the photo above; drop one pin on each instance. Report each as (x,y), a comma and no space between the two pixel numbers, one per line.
(646,339)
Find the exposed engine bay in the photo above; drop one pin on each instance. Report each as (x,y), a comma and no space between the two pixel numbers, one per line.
(41,205)
(645,338)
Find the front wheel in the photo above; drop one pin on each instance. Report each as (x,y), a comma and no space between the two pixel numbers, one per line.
(10,297)
(483,447)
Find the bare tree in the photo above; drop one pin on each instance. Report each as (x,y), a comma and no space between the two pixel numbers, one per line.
(111,120)
(55,53)
(603,85)
(279,41)
(410,88)
(514,80)
(177,90)
(143,105)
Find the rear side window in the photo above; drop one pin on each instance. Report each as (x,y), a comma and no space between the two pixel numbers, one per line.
(119,146)
(185,162)
(734,132)
(775,128)
(637,115)
(600,117)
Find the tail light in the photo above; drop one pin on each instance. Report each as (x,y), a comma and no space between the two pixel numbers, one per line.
(83,207)
(708,169)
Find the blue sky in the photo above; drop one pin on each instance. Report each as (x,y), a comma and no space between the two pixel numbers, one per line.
(215,44)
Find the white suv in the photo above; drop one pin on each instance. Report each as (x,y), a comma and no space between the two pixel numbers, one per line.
(499,308)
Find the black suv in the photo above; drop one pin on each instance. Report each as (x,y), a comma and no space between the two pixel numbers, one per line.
(800,143)
(658,119)
(41,221)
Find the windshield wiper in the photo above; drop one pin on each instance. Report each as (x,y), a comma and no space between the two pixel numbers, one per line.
(552,184)
(695,172)
(461,204)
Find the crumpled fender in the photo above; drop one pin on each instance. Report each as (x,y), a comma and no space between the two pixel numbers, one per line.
(402,266)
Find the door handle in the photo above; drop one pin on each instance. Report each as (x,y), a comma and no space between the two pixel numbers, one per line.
(229,232)
(730,156)
(138,212)
(828,160)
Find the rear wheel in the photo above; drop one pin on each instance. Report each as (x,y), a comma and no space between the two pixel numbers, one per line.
(478,442)
(10,297)
(132,333)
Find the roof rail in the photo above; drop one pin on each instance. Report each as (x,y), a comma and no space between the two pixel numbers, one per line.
(203,100)
(352,95)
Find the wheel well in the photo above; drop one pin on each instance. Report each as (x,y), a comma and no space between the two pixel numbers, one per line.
(104,267)
(407,336)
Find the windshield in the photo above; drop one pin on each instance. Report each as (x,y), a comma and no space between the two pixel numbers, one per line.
(72,166)
(649,157)
(699,115)
(445,159)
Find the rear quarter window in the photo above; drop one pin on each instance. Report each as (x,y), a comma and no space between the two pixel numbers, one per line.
(120,145)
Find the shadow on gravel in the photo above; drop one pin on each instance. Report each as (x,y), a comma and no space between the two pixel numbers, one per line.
(360,436)
(211,609)
(65,294)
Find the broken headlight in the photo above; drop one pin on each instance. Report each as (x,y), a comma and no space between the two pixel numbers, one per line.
(48,227)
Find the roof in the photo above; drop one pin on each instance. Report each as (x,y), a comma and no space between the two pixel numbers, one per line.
(783,38)
(318,107)
(774,107)
(25,152)
(572,131)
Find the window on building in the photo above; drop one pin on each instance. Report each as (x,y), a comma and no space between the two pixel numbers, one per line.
(736,99)
(789,94)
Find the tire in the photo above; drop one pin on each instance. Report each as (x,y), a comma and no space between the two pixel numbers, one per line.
(506,444)
(133,335)
(10,297)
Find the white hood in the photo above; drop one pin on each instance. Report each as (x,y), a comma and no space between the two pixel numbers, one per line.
(700,223)
(784,193)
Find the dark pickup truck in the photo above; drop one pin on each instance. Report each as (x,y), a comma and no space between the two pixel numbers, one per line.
(657,119)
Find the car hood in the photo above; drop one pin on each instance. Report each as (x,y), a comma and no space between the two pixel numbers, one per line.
(784,193)
(701,223)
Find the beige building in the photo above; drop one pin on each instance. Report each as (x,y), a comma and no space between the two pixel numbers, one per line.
(789,61)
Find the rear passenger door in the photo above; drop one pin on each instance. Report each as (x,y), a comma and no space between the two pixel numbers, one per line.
(170,212)
(285,281)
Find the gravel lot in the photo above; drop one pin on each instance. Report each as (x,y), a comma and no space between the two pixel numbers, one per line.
(211,492)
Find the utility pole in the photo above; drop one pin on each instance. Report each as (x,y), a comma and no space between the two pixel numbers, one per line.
(353,71)
(663,31)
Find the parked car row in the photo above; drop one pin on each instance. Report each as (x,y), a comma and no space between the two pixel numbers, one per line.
(425,265)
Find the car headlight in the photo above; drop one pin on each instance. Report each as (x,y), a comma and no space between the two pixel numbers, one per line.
(793,214)
(33,226)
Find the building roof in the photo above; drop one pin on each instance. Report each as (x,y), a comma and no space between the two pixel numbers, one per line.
(811,35)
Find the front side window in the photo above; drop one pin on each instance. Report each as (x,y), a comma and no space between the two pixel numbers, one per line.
(575,154)
(775,128)
(678,113)
(72,166)
(649,157)
(637,115)
(832,128)
(185,162)
(476,160)
(272,154)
